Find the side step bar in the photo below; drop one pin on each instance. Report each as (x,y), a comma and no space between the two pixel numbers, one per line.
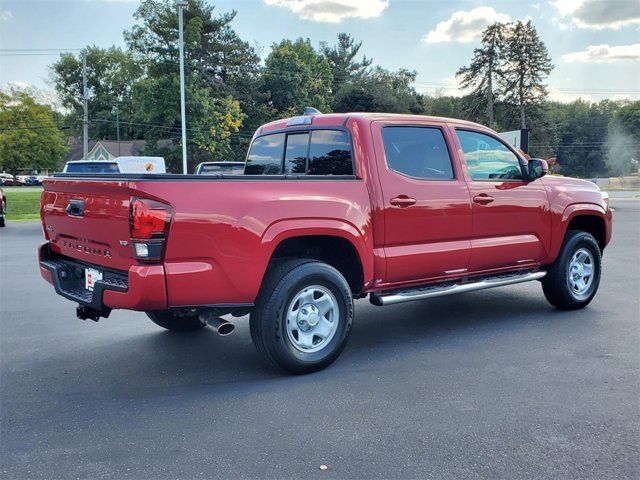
(450,288)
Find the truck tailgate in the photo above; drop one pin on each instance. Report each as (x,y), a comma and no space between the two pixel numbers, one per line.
(88,220)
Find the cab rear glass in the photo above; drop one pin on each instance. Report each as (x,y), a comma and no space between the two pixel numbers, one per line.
(316,152)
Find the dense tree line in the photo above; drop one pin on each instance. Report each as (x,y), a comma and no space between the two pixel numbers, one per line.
(30,134)
(230,92)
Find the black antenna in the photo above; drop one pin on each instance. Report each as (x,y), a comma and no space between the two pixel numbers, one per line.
(311,111)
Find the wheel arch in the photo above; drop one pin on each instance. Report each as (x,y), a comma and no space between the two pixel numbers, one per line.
(588,218)
(338,243)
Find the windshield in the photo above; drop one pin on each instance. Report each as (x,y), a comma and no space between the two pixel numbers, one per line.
(92,167)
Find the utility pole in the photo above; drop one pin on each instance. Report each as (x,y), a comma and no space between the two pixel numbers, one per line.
(85,100)
(181,6)
(117,107)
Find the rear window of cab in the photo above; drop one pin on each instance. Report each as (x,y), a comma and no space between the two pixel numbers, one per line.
(92,167)
(314,152)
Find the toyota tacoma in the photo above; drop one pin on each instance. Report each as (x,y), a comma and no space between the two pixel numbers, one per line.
(331,207)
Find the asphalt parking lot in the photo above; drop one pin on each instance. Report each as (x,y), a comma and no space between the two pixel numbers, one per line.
(489,384)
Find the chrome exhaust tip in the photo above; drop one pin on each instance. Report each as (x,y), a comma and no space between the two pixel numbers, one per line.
(225,328)
(221,326)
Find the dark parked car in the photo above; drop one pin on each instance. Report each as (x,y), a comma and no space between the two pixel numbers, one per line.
(32,180)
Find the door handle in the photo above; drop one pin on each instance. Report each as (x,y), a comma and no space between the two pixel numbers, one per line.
(483,199)
(402,201)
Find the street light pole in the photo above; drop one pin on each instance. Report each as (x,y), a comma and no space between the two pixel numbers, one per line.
(117,107)
(85,107)
(181,6)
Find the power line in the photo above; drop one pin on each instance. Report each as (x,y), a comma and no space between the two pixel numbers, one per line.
(167,127)
(40,49)
(27,54)
(50,127)
(286,73)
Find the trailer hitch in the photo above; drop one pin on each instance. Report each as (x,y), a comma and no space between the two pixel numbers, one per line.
(84,313)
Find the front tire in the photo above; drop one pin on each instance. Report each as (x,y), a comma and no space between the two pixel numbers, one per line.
(170,321)
(573,279)
(303,316)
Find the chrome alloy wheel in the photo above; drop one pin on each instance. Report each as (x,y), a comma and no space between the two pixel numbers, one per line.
(580,273)
(312,318)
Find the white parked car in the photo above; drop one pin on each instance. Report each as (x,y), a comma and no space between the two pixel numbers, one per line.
(117,165)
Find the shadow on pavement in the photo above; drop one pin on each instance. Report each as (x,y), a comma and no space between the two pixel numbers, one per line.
(152,360)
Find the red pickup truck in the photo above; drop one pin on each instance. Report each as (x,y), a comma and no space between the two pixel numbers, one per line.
(330,208)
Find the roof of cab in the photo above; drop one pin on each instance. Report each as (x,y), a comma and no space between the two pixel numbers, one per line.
(338,119)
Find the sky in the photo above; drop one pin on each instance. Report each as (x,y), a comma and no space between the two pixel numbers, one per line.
(594,44)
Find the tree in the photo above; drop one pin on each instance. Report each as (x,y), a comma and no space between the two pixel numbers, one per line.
(485,68)
(223,117)
(441,105)
(380,91)
(581,129)
(111,74)
(527,64)
(342,61)
(623,139)
(220,69)
(29,135)
(297,76)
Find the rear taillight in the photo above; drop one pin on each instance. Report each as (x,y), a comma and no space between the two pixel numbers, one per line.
(149,224)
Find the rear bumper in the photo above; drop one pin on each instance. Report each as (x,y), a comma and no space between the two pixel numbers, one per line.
(142,288)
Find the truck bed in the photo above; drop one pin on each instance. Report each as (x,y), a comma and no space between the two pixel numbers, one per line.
(223,229)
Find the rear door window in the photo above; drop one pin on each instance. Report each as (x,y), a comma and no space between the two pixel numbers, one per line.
(330,153)
(418,152)
(265,155)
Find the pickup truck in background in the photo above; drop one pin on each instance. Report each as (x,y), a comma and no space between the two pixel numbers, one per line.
(208,168)
(330,208)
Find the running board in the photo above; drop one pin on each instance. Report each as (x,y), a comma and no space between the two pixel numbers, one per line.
(450,288)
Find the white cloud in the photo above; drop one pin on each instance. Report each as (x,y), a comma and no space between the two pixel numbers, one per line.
(5,16)
(600,14)
(332,11)
(604,54)
(465,26)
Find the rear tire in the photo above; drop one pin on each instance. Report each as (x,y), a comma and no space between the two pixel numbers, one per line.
(303,316)
(573,279)
(170,321)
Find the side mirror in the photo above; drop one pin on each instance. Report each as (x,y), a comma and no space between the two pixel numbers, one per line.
(537,168)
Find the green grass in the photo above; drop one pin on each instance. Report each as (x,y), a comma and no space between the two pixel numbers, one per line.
(23,205)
